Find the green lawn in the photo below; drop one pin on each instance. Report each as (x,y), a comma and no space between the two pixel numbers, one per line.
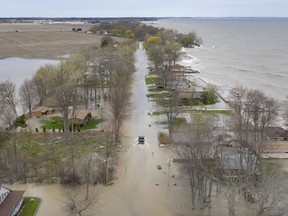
(56,122)
(53,122)
(155,89)
(30,206)
(152,80)
(91,124)
(223,112)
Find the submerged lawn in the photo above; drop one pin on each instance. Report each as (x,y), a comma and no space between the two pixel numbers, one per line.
(56,123)
(30,206)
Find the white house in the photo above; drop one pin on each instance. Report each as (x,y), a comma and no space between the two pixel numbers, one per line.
(10,201)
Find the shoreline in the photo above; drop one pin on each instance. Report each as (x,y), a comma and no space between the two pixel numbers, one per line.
(221,90)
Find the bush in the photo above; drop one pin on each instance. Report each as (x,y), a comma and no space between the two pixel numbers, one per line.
(70,179)
(20,121)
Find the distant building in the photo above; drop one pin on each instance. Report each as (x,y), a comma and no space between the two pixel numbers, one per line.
(10,201)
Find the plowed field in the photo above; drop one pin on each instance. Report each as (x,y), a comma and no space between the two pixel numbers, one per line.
(42,41)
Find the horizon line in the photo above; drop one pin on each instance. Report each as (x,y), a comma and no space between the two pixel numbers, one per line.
(131,17)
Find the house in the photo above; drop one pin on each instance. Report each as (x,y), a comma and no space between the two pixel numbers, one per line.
(42,110)
(190,94)
(10,201)
(276,133)
(79,117)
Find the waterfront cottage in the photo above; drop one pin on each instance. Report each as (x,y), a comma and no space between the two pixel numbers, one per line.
(10,201)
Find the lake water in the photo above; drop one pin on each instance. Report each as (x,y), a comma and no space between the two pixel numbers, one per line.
(19,69)
(252,52)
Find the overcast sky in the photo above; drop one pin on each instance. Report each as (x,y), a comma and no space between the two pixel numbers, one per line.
(143,8)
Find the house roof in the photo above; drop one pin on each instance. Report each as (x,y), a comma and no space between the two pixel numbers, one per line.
(190,90)
(79,114)
(42,109)
(185,95)
(10,202)
(275,132)
(186,90)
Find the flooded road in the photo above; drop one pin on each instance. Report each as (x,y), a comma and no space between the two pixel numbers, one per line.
(141,189)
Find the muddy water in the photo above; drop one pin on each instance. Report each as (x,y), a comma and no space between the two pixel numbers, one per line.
(52,197)
(141,189)
(19,69)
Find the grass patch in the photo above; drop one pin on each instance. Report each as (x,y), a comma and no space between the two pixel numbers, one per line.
(155,96)
(30,206)
(152,80)
(155,89)
(52,122)
(91,124)
(157,113)
(223,112)
(56,122)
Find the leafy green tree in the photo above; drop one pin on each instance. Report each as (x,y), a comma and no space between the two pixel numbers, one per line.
(129,34)
(190,40)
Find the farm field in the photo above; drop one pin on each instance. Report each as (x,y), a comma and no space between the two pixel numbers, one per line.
(43,41)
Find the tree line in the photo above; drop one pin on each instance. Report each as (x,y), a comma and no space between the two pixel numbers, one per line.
(140,32)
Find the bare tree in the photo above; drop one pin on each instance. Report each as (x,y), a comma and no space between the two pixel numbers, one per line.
(197,155)
(170,106)
(120,70)
(77,204)
(28,96)
(40,82)
(156,55)
(253,112)
(285,112)
(8,109)
(62,81)
(269,192)
(172,52)
(8,96)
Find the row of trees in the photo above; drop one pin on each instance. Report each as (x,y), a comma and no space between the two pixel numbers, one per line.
(240,172)
(140,32)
